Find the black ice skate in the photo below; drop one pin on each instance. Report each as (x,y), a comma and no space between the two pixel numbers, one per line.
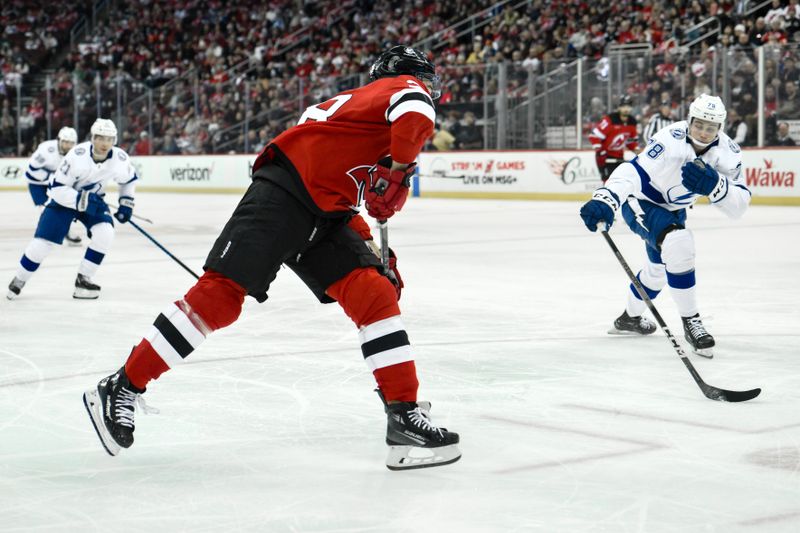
(85,289)
(413,440)
(111,407)
(632,325)
(14,288)
(696,335)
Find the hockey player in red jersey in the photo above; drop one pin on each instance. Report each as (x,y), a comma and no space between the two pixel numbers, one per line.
(614,134)
(301,210)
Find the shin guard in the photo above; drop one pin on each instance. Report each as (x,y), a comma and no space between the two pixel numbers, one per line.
(370,300)
(213,303)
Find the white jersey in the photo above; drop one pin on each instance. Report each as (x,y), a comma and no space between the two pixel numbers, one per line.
(79,172)
(655,174)
(43,162)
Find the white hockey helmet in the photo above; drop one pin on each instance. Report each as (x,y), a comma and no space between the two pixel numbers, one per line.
(708,108)
(104,127)
(68,134)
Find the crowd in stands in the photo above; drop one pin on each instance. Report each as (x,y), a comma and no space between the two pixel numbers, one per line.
(188,73)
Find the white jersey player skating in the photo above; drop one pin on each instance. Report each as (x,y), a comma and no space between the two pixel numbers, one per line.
(76,192)
(680,163)
(43,164)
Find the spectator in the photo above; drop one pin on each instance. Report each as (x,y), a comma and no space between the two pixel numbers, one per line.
(169,146)
(737,128)
(143,145)
(790,104)
(443,140)
(782,137)
(468,135)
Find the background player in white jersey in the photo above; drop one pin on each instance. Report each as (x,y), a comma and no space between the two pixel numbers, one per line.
(76,192)
(680,163)
(43,164)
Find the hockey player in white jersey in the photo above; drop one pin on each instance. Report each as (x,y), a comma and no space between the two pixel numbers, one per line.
(43,164)
(681,163)
(76,192)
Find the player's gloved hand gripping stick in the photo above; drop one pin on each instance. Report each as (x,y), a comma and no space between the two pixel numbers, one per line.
(710,392)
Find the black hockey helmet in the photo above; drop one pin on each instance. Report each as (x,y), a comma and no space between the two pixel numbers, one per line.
(399,60)
(625,99)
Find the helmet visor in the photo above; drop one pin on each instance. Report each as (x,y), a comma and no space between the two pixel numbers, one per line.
(433,82)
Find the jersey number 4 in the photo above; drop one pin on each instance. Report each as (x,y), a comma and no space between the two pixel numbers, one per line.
(325,110)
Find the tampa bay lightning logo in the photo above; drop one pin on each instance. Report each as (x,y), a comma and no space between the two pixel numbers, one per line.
(733,146)
(680,195)
(678,133)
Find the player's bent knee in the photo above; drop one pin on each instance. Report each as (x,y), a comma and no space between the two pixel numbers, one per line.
(102,236)
(215,300)
(38,249)
(366,296)
(678,252)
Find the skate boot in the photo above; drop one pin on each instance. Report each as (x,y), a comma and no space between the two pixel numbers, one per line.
(413,440)
(14,288)
(111,405)
(696,335)
(85,289)
(632,325)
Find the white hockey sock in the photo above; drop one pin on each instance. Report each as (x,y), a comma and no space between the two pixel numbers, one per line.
(36,252)
(684,292)
(652,278)
(385,343)
(102,238)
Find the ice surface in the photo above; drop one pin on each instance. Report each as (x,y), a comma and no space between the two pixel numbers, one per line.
(272,424)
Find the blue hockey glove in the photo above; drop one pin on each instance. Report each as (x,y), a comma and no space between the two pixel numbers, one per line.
(600,208)
(699,177)
(125,210)
(91,203)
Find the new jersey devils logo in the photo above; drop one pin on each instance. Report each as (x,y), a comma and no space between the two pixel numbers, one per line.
(361,178)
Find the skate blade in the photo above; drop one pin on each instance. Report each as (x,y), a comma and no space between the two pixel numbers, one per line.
(91,400)
(11,295)
(626,333)
(708,353)
(412,457)
(76,242)
(85,294)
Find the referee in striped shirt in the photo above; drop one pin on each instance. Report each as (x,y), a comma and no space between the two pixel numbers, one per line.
(662,119)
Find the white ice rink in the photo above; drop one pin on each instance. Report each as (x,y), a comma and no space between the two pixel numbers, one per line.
(272,425)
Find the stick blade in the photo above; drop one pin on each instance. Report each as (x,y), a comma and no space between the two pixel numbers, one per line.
(722,395)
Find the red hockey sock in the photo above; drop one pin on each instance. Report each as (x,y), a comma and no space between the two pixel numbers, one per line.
(212,303)
(370,300)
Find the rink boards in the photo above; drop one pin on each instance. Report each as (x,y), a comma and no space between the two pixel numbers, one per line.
(771,174)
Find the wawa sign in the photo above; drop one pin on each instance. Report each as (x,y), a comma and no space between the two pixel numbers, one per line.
(772,174)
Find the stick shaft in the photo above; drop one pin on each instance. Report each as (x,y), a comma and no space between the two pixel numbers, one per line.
(143,232)
(383,226)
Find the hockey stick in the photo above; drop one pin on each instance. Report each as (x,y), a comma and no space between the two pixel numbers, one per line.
(384,229)
(143,232)
(712,393)
(133,215)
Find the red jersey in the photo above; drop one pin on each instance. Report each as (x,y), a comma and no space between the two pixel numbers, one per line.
(337,141)
(613,135)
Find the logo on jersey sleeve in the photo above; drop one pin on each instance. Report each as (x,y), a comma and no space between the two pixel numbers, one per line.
(733,146)
(680,195)
(678,133)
